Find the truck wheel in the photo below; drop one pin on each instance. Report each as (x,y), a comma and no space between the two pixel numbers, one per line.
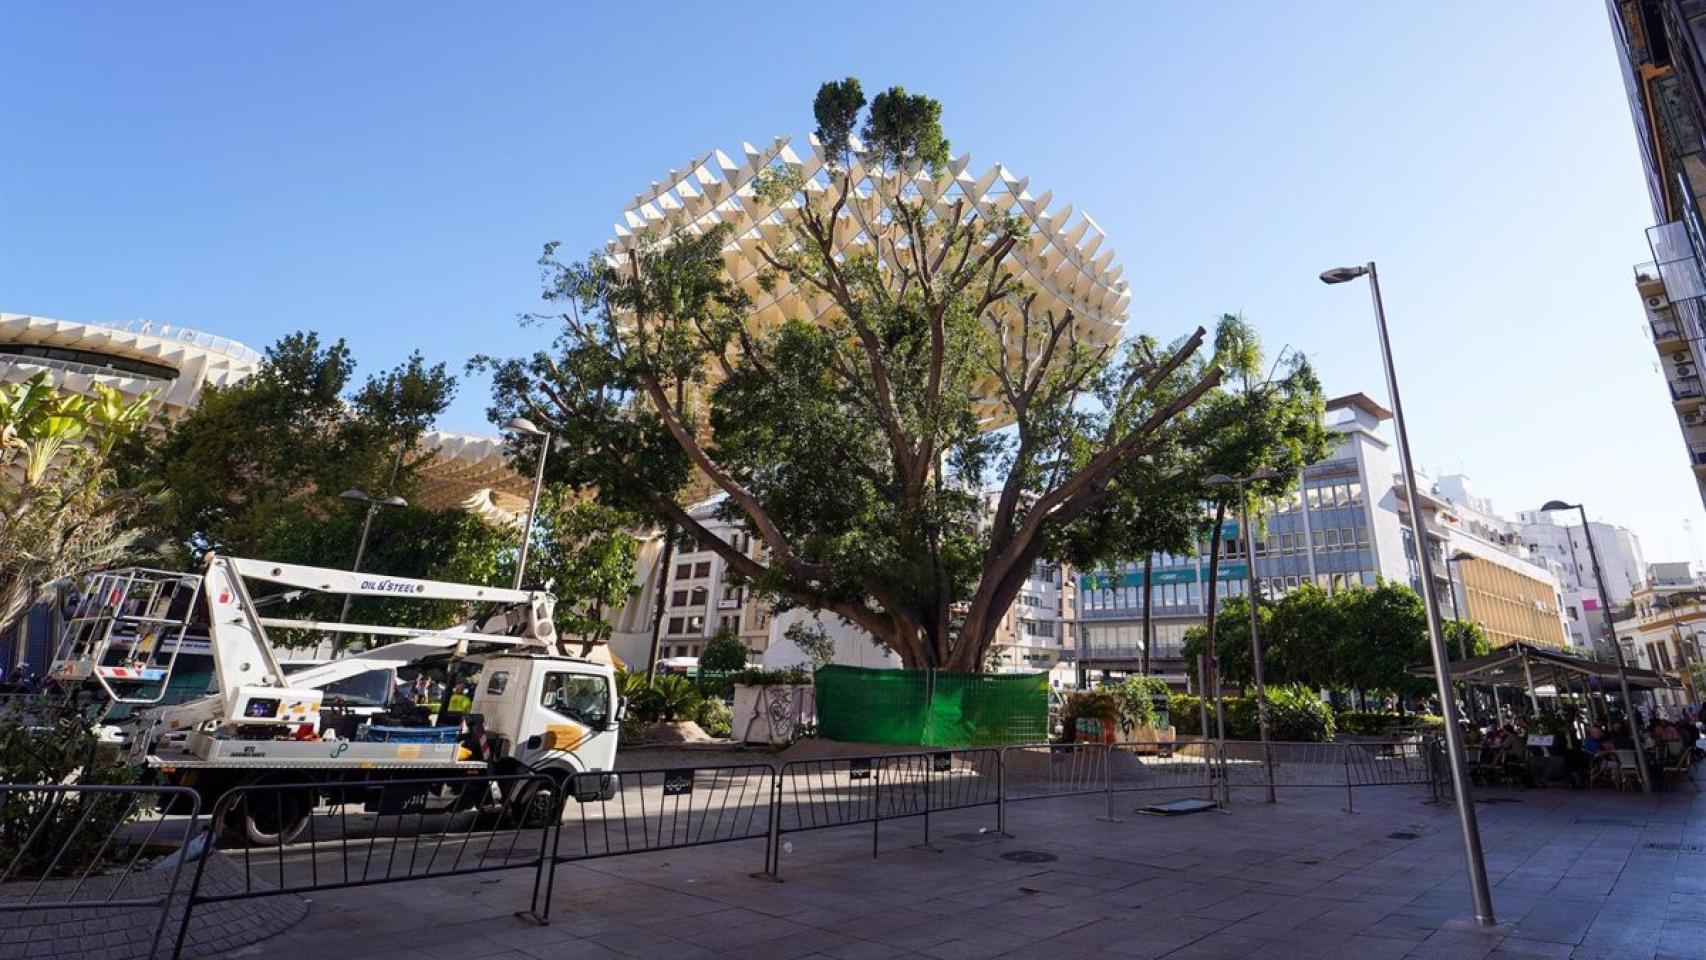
(267,819)
(536,803)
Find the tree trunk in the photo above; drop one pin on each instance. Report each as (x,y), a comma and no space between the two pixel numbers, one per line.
(657,608)
(1148,610)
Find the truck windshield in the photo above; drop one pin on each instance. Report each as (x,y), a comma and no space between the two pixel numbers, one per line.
(582,698)
(370,689)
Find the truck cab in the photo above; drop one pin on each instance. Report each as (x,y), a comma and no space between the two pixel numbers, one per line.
(553,714)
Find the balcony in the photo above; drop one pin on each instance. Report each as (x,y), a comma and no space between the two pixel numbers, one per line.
(1697,456)
(1686,392)
(1668,335)
(1647,274)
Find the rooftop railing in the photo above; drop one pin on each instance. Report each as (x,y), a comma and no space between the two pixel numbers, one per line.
(190,335)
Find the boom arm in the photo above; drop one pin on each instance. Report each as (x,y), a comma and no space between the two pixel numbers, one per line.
(243,655)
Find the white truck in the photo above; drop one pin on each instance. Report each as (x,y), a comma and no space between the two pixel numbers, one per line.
(539,705)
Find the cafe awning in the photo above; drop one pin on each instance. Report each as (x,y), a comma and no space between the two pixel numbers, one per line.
(1505,667)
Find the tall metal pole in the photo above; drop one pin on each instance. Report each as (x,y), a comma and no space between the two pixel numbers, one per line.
(360,551)
(1617,651)
(1256,641)
(1477,863)
(1462,637)
(532,508)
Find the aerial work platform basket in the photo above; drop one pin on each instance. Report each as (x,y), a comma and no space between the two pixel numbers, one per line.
(124,630)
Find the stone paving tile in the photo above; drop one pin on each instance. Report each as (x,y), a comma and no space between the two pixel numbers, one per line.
(1294,880)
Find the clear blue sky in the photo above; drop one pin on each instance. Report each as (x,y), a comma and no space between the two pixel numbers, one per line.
(387,174)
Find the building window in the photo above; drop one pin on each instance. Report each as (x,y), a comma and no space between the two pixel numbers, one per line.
(683,571)
(677,625)
(702,568)
(698,597)
(678,598)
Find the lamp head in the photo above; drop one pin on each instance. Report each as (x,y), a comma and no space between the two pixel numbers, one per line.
(394,502)
(1218,480)
(1558,505)
(356,495)
(522,425)
(1265,473)
(1342,274)
(1459,556)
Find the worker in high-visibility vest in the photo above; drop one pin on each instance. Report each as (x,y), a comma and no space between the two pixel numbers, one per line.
(461,701)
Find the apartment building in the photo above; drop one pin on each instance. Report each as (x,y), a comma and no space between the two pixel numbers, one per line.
(1668,631)
(1340,529)
(1659,47)
(1620,558)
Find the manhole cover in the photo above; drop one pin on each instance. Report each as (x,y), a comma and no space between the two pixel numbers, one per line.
(1309,861)
(1029,856)
(1678,847)
(972,837)
(1403,835)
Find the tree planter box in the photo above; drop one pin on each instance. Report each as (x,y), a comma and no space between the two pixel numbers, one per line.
(774,713)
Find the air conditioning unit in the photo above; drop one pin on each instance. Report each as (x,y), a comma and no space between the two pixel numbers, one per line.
(1658,302)
(1692,419)
(1681,356)
(1685,369)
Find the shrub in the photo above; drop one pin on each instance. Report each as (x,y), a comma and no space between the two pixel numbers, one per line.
(723,653)
(51,741)
(1295,713)
(674,697)
(670,696)
(760,677)
(1099,705)
(715,718)
(1136,699)
(1185,712)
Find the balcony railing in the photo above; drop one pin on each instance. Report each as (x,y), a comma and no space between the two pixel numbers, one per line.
(1647,272)
(1686,390)
(1666,330)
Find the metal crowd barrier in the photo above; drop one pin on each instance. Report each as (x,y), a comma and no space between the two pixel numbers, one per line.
(1340,764)
(635,811)
(79,848)
(390,831)
(399,830)
(845,791)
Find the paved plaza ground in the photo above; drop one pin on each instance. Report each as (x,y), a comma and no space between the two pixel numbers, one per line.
(1598,876)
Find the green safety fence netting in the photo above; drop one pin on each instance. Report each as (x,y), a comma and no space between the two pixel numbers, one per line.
(931,707)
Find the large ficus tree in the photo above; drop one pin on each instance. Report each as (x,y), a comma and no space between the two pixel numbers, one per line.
(854,446)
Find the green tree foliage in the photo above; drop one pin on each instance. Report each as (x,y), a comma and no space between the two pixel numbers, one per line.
(1263,418)
(61,507)
(1465,637)
(257,468)
(1387,633)
(275,449)
(827,440)
(724,651)
(1364,638)
(585,551)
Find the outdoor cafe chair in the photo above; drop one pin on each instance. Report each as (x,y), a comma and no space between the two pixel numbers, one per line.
(1680,768)
(1628,769)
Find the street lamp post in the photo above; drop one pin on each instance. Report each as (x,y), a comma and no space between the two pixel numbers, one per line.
(1480,891)
(1616,648)
(1457,614)
(366,526)
(1221,480)
(524,425)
